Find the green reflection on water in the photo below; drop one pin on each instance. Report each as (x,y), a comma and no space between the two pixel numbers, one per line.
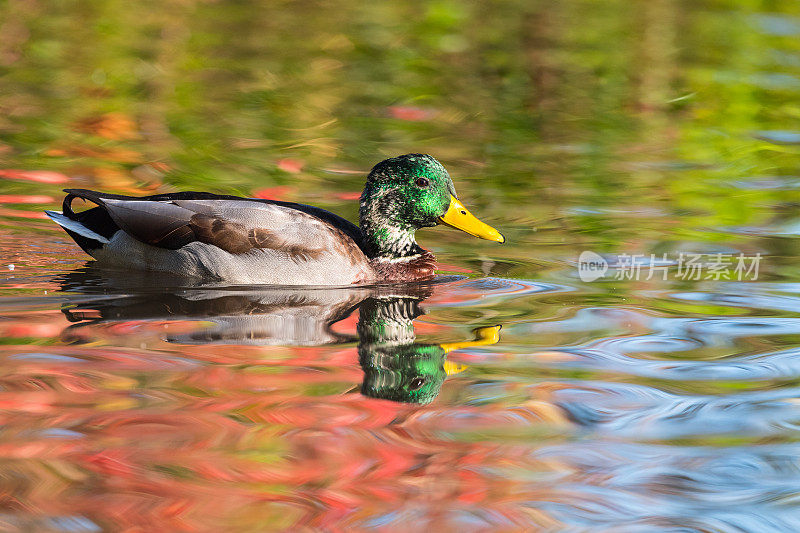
(532,106)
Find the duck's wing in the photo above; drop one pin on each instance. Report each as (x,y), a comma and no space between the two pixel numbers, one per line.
(236,225)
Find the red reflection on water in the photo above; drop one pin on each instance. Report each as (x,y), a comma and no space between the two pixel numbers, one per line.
(21,213)
(39,176)
(274,193)
(411,113)
(447,267)
(26,199)
(355,195)
(293,166)
(109,422)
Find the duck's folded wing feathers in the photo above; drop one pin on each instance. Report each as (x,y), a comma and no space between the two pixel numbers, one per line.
(236,226)
(161,224)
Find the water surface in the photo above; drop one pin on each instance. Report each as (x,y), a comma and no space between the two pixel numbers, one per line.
(629,403)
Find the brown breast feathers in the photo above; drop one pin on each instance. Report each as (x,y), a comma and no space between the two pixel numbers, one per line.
(420,268)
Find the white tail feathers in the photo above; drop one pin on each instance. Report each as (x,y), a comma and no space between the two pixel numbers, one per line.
(75,226)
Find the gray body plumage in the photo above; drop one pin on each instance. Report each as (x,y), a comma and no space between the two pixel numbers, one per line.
(257,266)
(272,244)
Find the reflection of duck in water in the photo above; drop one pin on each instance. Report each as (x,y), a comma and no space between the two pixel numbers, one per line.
(274,317)
(395,367)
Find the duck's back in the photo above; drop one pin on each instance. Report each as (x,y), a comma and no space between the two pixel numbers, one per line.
(228,238)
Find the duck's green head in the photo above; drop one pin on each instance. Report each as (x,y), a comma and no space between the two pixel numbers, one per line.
(405,193)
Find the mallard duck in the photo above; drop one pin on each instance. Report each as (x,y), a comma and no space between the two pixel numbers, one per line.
(253,241)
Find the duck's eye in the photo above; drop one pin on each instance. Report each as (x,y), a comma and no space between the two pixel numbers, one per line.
(422,182)
(416,383)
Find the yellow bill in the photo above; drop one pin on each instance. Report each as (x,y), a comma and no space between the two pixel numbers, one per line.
(459,217)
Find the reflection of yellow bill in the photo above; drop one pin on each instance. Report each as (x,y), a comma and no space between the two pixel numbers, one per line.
(483,337)
(451,368)
(459,217)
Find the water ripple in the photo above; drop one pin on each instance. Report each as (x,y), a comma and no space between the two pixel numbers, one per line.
(640,412)
(746,297)
(610,355)
(668,334)
(668,488)
(472,291)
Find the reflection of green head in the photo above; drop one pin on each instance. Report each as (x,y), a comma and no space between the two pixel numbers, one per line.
(395,368)
(412,373)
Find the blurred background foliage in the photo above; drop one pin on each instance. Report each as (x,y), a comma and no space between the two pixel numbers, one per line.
(560,121)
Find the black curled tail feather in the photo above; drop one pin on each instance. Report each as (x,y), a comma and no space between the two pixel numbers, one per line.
(66,206)
(96,220)
(83,194)
(86,194)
